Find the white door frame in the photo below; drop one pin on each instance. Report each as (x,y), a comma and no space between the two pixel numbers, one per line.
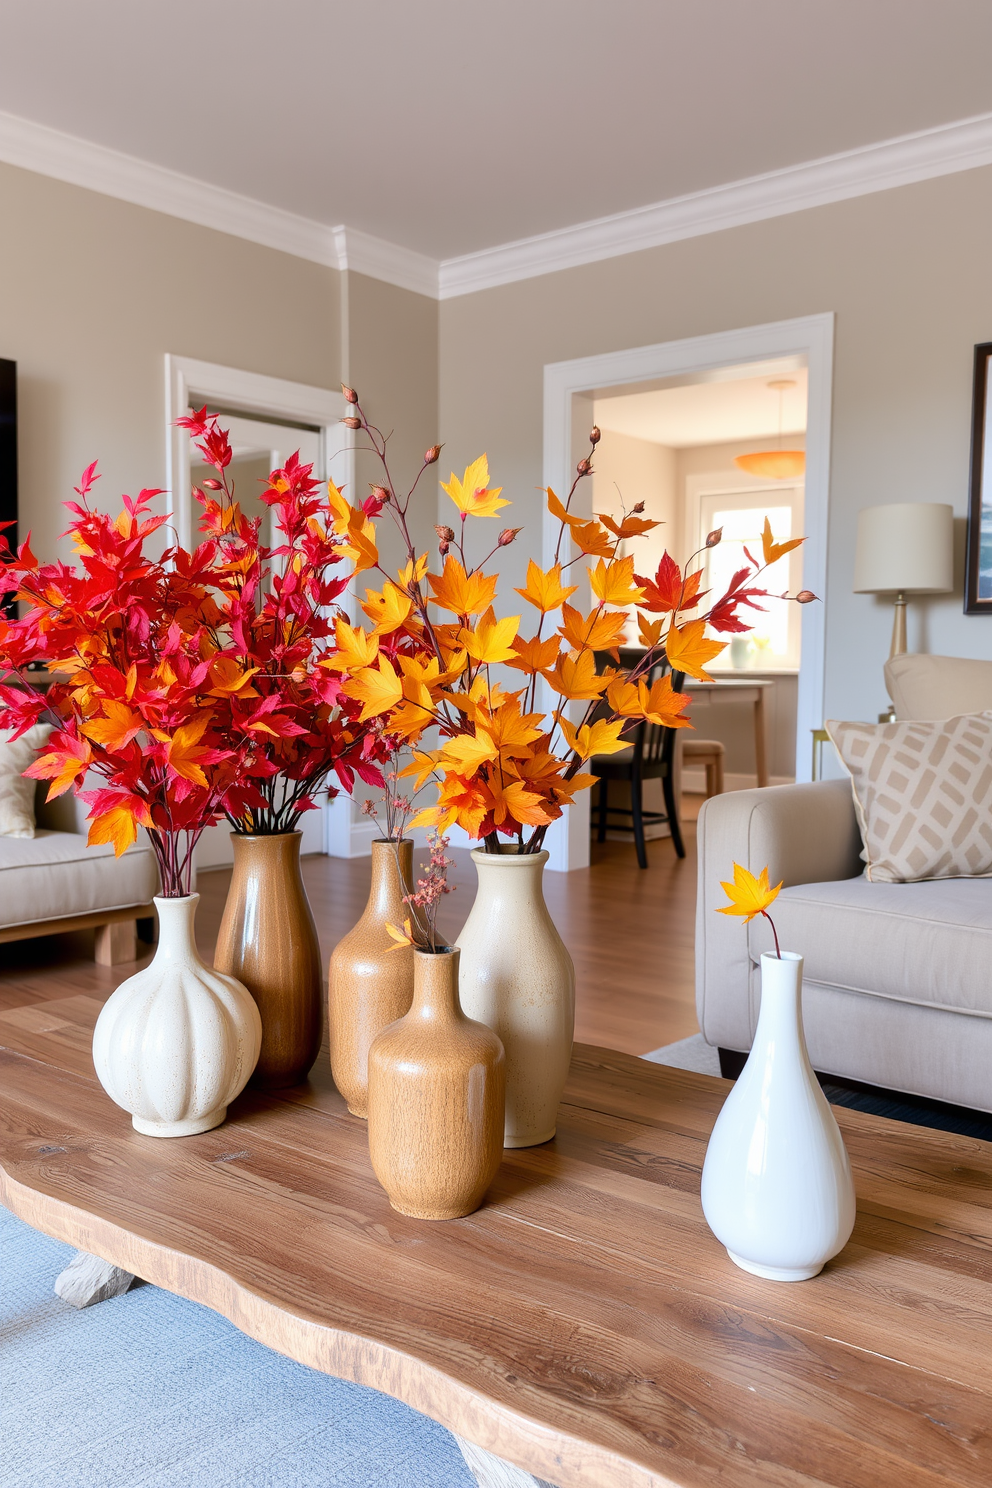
(188,380)
(811,336)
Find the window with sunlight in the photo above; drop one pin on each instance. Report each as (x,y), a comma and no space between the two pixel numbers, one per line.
(774,643)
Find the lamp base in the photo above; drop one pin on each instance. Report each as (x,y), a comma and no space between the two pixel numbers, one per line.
(898,647)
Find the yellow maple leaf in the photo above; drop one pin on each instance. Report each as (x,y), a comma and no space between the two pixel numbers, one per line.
(575,676)
(491,640)
(689,651)
(465,594)
(355,648)
(558,510)
(545,590)
(471,494)
(663,705)
(515,801)
(749,896)
(600,737)
(467,753)
(378,688)
(613,582)
(422,767)
(229,680)
(511,731)
(773,550)
(183,750)
(118,826)
(403,938)
(412,573)
(388,608)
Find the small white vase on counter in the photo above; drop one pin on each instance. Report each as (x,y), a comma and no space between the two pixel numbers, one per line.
(777,1188)
(177,1042)
(517,977)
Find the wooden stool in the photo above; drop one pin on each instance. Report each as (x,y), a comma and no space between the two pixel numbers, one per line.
(710,753)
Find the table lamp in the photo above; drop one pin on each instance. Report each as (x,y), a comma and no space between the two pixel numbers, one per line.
(906,548)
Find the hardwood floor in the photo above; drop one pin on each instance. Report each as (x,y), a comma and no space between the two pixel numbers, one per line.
(630,934)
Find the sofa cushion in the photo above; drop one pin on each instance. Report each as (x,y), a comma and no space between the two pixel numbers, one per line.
(55,874)
(938,686)
(924,943)
(16,793)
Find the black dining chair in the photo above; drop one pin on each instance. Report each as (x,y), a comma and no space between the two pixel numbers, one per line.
(650,755)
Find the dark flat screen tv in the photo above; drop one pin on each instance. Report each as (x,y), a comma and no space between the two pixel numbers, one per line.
(8,448)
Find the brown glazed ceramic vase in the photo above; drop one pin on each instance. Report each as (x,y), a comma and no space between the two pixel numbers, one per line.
(371,984)
(437,1084)
(268,940)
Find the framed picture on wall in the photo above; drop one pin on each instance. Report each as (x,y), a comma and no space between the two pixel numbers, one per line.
(978,567)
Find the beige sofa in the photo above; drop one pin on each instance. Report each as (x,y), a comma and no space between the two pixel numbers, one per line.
(53,882)
(898,977)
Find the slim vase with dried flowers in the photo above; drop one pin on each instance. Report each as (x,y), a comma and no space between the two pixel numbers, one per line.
(370,983)
(437,1080)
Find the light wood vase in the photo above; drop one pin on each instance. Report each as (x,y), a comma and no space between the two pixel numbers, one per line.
(268,940)
(436,1092)
(370,983)
(517,977)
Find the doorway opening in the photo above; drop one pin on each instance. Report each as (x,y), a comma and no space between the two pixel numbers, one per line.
(678,415)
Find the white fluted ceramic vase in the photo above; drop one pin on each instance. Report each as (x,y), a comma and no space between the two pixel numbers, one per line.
(777,1188)
(517,977)
(177,1042)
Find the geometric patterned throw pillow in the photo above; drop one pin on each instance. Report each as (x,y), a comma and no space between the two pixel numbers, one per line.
(923,796)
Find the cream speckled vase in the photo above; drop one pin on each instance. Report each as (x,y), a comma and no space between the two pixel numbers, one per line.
(517,977)
(177,1042)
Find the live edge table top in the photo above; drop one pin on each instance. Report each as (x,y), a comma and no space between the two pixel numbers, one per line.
(584,1324)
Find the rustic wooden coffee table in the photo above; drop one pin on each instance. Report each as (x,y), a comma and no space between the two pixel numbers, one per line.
(584,1325)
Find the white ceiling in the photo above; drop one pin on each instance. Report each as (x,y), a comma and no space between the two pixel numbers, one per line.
(707,413)
(447,126)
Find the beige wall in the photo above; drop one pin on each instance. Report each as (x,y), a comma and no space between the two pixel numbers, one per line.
(907,273)
(94,292)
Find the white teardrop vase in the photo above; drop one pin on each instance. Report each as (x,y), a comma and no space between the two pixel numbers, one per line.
(517,977)
(177,1042)
(777,1188)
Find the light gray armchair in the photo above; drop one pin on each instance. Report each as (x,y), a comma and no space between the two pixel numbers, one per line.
(897,986)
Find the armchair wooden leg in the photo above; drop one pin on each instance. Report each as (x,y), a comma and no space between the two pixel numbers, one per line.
(115,943)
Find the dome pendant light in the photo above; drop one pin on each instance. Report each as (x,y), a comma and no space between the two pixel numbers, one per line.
(777,463)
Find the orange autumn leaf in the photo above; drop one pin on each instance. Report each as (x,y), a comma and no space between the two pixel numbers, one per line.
(535,655)
(229,680)
(118,726)
(613,582)
(545,590)
(464,594)
(511,731)
(632,526)
(65,765)
(689,651)
(558,511)
(649,631)
(593,540)
(598,631)
(772,550)
(663,705)
(471,494)
(402,938)
(517,802)
(749,896)
(575,676)
(468,753)
(184,751)
(119,826)
(378,688)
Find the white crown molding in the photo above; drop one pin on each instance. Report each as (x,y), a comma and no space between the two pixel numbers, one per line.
(403,267)
(897,162)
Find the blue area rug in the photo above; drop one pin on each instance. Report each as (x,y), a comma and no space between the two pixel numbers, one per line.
(150,1391)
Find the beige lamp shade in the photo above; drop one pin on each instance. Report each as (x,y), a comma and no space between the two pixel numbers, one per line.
(906,548)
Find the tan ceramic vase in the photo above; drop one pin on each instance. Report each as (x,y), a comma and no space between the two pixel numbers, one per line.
(370,984)
(268,940)
(517,977)
(436,1091)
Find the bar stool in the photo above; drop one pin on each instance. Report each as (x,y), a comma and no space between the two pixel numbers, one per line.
(708,752)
